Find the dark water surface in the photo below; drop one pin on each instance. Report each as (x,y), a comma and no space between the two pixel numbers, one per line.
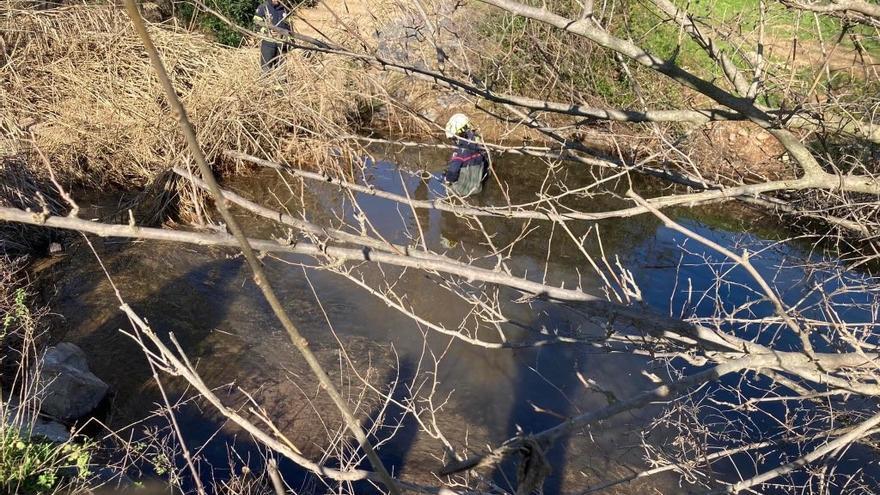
(205,296)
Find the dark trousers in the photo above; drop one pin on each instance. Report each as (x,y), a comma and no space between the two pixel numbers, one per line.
(270,54)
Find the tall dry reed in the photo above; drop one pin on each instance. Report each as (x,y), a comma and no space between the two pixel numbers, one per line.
(78,85)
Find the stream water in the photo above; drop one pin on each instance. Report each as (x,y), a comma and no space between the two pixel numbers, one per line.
(205,296)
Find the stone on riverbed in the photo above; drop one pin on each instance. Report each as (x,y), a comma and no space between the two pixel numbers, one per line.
(22,420)
(49,430)
(71,390)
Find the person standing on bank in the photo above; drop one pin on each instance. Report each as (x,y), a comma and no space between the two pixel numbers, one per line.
(271,18)
(469,165)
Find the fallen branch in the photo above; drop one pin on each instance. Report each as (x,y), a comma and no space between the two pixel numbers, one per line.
(756,199)
(308,227)
(810,167)
(319,252)
(804,460)
(854,10)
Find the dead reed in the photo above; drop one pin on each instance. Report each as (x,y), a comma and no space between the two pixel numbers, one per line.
(78,85)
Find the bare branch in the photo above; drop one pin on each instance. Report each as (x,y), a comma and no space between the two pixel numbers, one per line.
(259,276)
(854,10)
(834,445)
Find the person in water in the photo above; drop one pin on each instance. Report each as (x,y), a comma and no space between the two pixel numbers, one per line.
(469,165)
(271,17)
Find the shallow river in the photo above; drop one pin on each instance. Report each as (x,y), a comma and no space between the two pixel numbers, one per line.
(207,299)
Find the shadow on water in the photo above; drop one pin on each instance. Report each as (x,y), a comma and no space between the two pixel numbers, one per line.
(397,423)
(224,324)
(228,331)
(530,394)
(192,306)
(221,321)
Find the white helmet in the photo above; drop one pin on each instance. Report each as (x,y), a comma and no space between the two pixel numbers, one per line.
(456,124)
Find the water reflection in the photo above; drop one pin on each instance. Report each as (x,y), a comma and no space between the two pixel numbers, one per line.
(207,298)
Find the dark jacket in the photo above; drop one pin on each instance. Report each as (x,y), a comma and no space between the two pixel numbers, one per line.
(467,154)
(275,15)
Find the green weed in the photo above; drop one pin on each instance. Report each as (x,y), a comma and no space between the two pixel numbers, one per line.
(32,466)
(19,316)
(523,55)
(241,12)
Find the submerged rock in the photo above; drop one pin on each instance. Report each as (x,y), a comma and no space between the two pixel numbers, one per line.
(23,420)
(50,430)
(70,389)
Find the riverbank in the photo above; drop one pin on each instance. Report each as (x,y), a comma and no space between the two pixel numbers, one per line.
(433,364)
(77,97)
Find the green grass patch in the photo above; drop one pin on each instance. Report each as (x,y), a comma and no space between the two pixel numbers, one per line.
(666,41)
(744,16)
(32,466)
(525,55)
(241,12)
(781,23)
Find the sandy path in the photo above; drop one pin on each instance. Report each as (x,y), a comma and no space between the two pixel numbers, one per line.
(364,15)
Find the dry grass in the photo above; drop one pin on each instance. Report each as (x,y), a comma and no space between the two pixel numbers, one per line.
(19,188)
(78,80)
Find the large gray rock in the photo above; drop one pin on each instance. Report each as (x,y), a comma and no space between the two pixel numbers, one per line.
(70,389)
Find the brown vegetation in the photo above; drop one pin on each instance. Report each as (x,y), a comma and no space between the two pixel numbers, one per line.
(78,83)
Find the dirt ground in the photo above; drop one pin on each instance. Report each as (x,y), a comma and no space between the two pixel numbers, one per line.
(322,20)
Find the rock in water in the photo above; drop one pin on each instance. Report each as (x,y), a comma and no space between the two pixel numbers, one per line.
(50,430)
(23,420)
(71,390)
